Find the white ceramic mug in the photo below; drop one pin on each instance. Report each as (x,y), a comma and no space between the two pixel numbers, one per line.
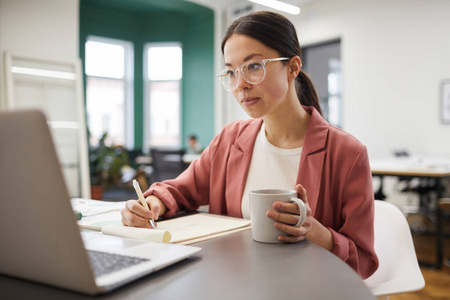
(261,201)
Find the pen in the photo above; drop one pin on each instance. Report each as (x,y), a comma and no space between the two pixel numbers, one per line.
(141,198)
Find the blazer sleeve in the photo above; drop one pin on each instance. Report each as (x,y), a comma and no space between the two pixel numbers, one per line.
(354,240)
(190,189)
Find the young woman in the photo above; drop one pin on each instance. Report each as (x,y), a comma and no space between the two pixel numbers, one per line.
(286,144)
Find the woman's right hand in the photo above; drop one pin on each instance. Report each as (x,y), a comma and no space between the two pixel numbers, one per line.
(135,215)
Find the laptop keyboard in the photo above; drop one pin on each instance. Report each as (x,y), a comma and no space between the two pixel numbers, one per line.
(104,263)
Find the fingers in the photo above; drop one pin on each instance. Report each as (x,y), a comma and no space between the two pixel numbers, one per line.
(287,207)
(288,216)
(301,191)
(135,207)
(292,230)
(156,206)
(134,214)
(293,234)
(134,221)
(290,238)
(287,212)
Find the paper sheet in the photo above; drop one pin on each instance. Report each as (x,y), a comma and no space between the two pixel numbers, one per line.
(89,207)
(98,221)
(199,225)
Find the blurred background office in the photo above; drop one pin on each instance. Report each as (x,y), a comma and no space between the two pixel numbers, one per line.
(153,63)
(148,72)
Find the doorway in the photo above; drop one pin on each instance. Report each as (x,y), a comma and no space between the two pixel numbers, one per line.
(322,62)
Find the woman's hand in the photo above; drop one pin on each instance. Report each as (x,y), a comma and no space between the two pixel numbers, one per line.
(135,215)
(286,215)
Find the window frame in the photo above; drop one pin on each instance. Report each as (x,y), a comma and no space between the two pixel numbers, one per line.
(128,81)
(147,91)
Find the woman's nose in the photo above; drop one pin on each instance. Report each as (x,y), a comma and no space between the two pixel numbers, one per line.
(242,83)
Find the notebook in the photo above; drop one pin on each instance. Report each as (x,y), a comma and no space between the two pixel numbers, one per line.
(40,237)
(105,216)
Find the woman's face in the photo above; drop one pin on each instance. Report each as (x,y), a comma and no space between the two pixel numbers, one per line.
(261,99)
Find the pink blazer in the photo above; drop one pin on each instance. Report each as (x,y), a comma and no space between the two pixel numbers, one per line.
(334,169)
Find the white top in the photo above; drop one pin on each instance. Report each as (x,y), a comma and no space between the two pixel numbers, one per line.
(271,168)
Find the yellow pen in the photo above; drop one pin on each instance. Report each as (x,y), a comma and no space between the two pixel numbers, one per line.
(141,198)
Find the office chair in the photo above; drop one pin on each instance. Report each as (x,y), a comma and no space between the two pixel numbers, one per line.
(167,163)
(399,270)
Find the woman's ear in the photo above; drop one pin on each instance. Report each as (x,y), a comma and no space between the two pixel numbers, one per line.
(295,65)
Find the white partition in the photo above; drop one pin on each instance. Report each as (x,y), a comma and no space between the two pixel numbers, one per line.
(55,87)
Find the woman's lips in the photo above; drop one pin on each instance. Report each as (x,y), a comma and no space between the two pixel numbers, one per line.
(249,101)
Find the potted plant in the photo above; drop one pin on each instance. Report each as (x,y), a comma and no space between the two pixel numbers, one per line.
(106,164)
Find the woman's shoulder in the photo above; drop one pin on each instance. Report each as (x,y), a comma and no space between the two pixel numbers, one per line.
(344,138)
(322,134)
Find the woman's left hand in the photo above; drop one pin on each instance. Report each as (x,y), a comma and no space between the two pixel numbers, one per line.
(286,216)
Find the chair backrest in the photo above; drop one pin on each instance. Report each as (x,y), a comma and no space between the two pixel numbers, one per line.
(167,163)
(399,270)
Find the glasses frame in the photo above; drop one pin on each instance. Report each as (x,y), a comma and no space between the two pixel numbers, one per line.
(263,62)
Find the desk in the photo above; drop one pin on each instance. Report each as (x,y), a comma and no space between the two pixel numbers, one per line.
(437,168)
(412,166)
(230,267)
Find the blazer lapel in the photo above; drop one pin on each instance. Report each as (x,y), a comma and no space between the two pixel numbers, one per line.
(313,156)
(311,161)
(238,165)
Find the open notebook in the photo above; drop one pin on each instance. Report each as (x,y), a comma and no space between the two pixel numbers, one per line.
(105,216)
(41,240)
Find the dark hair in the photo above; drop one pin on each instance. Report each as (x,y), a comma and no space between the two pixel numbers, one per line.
(276,32)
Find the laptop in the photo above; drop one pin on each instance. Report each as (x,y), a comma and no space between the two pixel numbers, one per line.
(40,238)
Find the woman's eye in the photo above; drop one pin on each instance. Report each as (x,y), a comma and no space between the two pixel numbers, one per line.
(230,73)
(254,66)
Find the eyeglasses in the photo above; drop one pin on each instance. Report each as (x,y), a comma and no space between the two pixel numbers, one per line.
(252,72)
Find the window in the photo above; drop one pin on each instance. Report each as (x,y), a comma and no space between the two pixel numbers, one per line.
(163,73)
(109,96)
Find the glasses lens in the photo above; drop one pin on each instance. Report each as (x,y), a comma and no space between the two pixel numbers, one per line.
(228,79)
(253,72)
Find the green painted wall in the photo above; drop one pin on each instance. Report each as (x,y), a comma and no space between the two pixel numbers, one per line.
(194,31)
(198,87)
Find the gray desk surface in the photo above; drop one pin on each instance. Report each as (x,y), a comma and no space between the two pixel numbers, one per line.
(230,267)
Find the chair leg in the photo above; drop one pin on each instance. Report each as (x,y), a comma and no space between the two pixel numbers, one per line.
(443,210)
(447,263)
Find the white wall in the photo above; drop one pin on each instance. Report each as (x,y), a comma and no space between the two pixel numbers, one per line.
(394,56)
(44,28)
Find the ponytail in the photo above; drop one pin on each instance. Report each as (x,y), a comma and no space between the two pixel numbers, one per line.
(306,92)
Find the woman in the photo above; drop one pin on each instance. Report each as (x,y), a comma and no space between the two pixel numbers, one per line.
(286,145)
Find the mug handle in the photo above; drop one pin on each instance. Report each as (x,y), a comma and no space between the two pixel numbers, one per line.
(302,207)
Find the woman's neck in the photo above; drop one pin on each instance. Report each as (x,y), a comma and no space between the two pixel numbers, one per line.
(287,127)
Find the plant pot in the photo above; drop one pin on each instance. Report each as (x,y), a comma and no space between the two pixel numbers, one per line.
(97,192)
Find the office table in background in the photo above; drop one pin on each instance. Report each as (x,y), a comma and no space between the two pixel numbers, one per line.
(230,267)
(424,167)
